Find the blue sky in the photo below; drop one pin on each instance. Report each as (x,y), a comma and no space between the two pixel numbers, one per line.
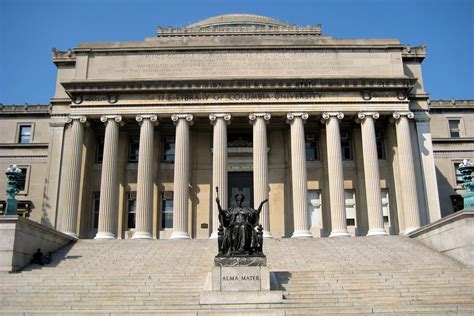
(29,29)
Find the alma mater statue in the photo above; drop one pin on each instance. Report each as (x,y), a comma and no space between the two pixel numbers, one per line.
(237,235)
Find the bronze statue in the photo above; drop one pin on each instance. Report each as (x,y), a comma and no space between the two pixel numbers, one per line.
(237,235)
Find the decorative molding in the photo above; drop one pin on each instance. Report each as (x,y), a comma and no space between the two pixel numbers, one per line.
(366,95)
(152,117)
(76,89)
(214,116)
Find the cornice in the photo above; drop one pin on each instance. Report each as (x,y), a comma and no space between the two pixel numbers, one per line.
(186,85)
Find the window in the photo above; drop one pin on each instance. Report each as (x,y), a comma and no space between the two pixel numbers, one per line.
(24,135)
(454,128)
(385,206)
(167,209)
(312,147)
(22,180)
(350,202)
(168,149)
(133,149)
(380,144)
(314,208)
(239,139)
(458,174)
(346,145)
(132,209)
(95,209)
(99,150)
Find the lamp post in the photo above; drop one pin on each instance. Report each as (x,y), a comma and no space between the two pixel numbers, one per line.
(13,174)
(466,168)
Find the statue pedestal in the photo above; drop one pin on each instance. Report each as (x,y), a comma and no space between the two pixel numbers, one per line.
(240,280)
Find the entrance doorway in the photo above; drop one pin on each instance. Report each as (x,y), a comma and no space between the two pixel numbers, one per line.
(241,182)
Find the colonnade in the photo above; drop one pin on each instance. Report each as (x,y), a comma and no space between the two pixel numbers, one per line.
(68,211)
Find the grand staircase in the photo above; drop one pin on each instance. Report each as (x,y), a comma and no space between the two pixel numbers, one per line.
(362,275)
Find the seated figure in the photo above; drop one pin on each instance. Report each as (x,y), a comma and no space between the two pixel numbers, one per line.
(240,237)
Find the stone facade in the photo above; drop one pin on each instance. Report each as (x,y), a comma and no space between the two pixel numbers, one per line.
(335,132)
(453,141)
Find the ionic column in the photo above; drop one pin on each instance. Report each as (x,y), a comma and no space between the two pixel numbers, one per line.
(181,176)
(260,167)
(143,229)
(335,174)
(298,172)
(219,165)
(72,178)
(108,183)
(372,173)
(411,210)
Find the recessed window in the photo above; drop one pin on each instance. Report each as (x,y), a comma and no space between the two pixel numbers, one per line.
(458,174)
(380,145)
(239,139)
(167,209)
(346,145)
(385,206)
(168,149)
(22,180)
(133,149)
(350,203)
(132,209)
(454,128)
(314,208)
(95,209)
(312,147)
(99,150)
(24,135)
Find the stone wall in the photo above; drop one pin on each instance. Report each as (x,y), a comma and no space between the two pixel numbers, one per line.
(19,239)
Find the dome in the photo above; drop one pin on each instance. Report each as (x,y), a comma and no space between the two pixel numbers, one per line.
(237,20)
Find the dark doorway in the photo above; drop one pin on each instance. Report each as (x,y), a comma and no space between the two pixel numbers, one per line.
(241,182)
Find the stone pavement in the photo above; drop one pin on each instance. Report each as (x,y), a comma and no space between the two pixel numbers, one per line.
(363,275)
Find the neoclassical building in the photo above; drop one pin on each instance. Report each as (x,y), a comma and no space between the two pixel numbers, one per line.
(334,132)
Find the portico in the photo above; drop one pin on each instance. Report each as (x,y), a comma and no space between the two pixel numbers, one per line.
(147,142)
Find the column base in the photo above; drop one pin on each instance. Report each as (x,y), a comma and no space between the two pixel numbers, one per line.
(341,233)
(179,235)
(407,231)
(377,232)
(141,235)
(104,235)
(302,234)
(267,235)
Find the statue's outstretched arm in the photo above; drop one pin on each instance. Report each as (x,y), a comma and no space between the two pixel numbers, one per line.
(261,205)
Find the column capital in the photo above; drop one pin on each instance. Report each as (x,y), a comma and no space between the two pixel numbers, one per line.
(290,116)
(185,116)
(266,116)
(117,118)
(422,116)
(152,117)
(361,116)
(80,118)
(398,115)
(214,116)
(327,115)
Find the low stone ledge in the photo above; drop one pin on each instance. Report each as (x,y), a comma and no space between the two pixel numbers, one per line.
(452,235)
(19,239)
